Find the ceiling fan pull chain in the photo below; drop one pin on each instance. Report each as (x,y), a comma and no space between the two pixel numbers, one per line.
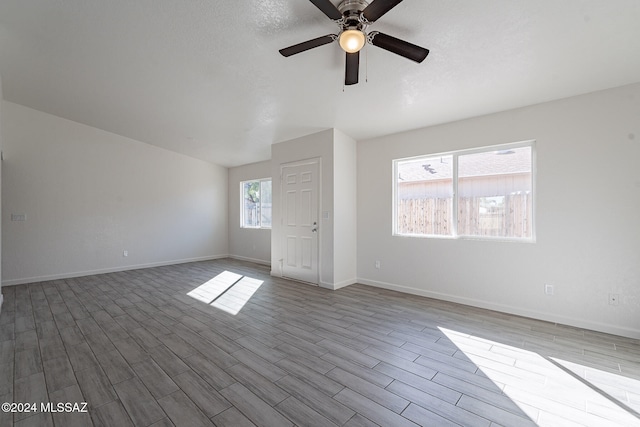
(366,64)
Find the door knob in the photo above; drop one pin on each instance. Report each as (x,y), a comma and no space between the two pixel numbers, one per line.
(314,229)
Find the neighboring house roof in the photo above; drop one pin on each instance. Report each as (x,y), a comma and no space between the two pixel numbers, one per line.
(516,160)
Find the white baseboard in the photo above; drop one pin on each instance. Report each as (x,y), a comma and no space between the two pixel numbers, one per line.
(518,311)
(344,283)
(254,260)
(336,286)
(69,275)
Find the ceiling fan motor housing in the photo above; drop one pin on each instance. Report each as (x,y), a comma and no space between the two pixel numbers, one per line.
(351,14)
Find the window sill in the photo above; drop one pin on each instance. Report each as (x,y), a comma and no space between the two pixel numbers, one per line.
(476,238)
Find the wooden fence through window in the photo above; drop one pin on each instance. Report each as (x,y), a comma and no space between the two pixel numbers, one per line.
(433,216)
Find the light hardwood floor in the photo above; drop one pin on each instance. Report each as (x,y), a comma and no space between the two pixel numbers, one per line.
(149,347)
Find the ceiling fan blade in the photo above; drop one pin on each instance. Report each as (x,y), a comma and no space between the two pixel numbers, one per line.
(399,47)
(328,9)
(352,68)
(377,8)
(309,44)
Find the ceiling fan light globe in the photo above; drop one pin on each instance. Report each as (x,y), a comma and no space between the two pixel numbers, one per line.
(351,41)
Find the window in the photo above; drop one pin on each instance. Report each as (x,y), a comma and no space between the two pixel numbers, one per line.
(255,203)
(481,193)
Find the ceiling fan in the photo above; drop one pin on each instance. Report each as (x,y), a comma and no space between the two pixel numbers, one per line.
(353,17)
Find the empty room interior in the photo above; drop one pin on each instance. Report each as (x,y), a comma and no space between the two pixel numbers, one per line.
(320,213)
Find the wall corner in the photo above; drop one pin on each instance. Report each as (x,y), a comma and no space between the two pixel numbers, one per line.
(1,127)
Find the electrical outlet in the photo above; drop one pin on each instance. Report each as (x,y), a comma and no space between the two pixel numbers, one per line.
(548,289)
(613,299)
(18,217)
(125,253)
(378,264)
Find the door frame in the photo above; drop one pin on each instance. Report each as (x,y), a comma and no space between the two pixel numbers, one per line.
(318,162)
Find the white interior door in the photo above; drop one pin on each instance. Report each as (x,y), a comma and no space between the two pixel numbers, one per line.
(300,185)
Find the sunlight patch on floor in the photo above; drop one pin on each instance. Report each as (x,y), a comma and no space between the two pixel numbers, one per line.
(542,384)
(237,296)
(227,291)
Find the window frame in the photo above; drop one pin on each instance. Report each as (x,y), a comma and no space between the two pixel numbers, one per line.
(454,217)
(242,207)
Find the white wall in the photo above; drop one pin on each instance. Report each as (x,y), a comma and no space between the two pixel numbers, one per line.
(247,243)
(588,233)
(89,194)
(344,209)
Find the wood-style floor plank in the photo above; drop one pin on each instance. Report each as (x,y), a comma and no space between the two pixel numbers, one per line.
(140,350)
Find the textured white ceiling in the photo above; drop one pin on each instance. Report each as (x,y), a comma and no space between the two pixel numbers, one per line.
(205,78)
